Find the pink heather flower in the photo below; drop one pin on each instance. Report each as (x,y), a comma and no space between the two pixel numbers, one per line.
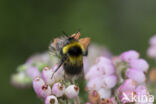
(126,90)
(93,72)
(136,75)
(151,52)
(72,91)
(128,85)
(44,91)
(47,76)
(113,100)
(104,93)
(51,100)
(95,83)
(102,59)
(153,41)
(139,64)
(126,96)
(142,90)
(106,68)
(110,81)
(44,57)
(58,89)
(98,51)
(59,75)
(37,84)
(33,72)
(129,55)
(105,65)
(41,89)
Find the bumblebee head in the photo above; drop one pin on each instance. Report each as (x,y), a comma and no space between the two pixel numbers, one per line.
(73,48)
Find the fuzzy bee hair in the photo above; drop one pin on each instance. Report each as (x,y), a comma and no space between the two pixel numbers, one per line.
(71,52)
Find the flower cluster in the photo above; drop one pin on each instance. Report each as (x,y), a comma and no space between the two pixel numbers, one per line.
(130,92)
(131,70)
(151,52)
(32,68)
(101,79)
(118,80)
(51,88)
(110,80)
(98,51)
(134,66)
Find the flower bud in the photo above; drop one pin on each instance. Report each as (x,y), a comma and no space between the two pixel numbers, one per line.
(136,75)
(95,83)
(21,80)
(153,40)
(129,85)
(44,91)
(51,100)
(41,89)
(58,89)
(37,84)
(32,72)
(151,52)
(142,90)
(104,93)
(93,72)
(72,91)
(139,64)
(47,76)
(94,97)
(105,66)
(128,94)
(110,81)
(129,55)
(102,59)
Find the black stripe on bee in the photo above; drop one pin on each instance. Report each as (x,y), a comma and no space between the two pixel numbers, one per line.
(73,69)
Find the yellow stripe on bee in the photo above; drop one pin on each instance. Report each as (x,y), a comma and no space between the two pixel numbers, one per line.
(72,44)
(75,60)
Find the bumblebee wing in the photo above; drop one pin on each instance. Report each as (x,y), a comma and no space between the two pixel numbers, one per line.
(56,45)
(53,50)
(85,42)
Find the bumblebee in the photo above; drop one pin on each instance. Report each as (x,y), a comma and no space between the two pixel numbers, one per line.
(70,50)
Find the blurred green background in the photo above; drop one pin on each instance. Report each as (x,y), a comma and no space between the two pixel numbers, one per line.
(27,26)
